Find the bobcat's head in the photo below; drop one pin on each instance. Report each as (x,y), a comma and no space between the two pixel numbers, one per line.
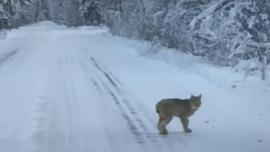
(195,102)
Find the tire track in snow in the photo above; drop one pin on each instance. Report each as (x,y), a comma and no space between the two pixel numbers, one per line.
(95,83)
(131,125)
(128,111)
(42,110)
(106,74)
(103,89)
(109,75)
(7,56)
(40,138)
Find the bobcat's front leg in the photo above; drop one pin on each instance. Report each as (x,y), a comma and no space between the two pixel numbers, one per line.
(185,122)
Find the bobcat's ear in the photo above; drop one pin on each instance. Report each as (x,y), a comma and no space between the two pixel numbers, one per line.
(200,96)
(191,96)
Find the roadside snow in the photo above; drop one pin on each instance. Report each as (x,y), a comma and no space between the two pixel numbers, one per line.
(82,89)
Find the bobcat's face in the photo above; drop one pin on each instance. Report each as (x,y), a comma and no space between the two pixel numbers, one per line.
(195,102)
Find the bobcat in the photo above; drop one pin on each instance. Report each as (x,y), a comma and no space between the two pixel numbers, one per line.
(182,108)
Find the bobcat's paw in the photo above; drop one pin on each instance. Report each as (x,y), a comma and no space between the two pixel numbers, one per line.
(164,132)
(188,130)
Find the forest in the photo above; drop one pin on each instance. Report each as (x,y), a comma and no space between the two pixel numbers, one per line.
(224,32)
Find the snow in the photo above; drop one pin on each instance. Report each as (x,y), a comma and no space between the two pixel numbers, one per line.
(82,89)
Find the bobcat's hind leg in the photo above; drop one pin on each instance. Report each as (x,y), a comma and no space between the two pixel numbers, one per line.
(163,125)
(160,119)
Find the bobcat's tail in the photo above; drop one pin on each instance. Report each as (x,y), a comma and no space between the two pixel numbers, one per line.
(158,106)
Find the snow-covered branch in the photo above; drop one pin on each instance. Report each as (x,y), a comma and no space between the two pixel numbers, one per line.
(258,45)
(208,12)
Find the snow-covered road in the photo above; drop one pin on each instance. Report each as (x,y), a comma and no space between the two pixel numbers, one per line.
(84,90)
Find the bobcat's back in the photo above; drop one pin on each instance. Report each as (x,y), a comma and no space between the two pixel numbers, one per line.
(173,106)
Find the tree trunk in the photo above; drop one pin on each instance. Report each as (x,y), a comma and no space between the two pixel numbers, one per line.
(264,67)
